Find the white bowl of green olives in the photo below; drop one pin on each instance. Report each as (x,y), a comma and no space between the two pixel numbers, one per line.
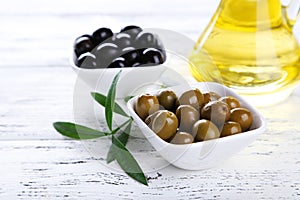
(99,56)
(196,126)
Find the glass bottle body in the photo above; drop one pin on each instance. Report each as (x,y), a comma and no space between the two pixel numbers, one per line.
(249,46)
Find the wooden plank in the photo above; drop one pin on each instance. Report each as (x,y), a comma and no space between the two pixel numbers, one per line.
(32,98)
(64,169)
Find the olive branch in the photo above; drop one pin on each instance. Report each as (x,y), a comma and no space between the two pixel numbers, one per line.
(118,150)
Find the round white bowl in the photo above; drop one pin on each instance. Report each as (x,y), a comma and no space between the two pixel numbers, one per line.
(206,154)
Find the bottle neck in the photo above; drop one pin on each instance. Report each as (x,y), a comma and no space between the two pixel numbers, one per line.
(252,13)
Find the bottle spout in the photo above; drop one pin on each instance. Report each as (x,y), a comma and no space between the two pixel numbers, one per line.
(291,12)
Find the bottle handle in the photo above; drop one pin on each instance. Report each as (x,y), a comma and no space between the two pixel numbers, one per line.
(292,11)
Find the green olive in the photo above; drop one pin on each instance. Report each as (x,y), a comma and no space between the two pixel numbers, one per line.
(232,102)
(210,96)
(187,116)
(216,111)
(167,99)
(231,128)
(242,116)
(182,138)
(145,105)
(150,118)
(192,97)
(165,124)
(205,130)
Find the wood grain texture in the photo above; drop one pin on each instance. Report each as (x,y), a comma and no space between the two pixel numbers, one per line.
(38,87)
(56,169)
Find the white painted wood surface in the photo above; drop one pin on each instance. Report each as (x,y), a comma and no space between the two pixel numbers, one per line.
(37,88)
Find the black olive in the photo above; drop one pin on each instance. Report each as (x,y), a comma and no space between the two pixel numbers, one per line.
(138,48)
(88,36)
(136,64)
(102,34)
(131,57)
(105,54)
(152,57)
(122,40)
(131,30)
(145,40)
(126,50)
(117,63)
(82,45)
(86,60)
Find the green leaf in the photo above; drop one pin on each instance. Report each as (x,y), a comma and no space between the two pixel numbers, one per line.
(101,99)
(127,162)
(126,99)
(77,131)
(110,101)
(123,137)
(119,128)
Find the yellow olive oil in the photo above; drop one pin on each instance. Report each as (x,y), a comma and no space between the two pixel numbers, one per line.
(248,46)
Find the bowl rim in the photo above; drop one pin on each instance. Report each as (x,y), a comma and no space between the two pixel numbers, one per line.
(256,131)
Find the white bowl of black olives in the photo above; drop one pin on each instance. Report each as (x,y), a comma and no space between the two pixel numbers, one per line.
(99,56)
(196,126)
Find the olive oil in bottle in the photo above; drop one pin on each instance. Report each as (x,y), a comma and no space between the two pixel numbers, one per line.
(249,46)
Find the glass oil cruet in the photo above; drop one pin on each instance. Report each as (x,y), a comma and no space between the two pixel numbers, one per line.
(249,46)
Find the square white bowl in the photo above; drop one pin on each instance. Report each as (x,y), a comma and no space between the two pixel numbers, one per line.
(206,154)
(131,77)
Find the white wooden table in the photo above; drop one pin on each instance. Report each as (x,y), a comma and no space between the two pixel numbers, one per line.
(37,88)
